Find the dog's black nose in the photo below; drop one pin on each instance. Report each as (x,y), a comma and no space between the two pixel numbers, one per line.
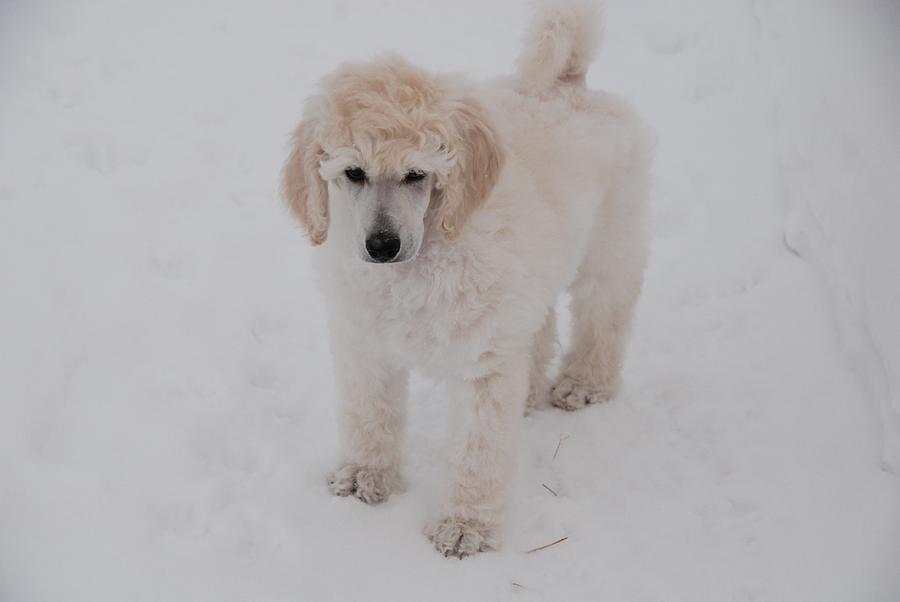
(383,246)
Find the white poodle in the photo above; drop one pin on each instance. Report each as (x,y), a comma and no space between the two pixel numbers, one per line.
(456,214)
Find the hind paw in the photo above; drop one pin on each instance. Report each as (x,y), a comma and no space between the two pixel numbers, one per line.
(571,393)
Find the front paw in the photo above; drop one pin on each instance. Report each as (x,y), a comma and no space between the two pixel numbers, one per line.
(370,485)
(461,537)
(571,393)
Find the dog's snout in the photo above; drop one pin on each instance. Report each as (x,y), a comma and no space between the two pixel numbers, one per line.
(383,246)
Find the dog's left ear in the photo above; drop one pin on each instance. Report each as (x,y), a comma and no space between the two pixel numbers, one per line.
(304,191)
(479,159)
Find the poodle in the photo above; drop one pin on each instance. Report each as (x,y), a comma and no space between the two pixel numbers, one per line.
(455,215)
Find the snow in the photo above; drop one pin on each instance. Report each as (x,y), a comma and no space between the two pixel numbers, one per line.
(846,224)
(166,403)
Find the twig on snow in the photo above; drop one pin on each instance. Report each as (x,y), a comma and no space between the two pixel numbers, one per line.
(544,547)
(558,445)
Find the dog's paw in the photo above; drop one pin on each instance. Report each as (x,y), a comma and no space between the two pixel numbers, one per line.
(367,484)
(572,394)
(461,537)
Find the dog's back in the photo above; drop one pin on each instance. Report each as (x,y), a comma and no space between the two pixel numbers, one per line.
(568,146)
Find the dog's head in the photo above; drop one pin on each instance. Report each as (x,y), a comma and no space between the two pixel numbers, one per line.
(397,151)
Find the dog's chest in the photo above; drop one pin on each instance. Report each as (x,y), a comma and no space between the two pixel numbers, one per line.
(428,315)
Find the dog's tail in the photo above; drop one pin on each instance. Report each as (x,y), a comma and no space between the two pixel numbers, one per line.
(559,44)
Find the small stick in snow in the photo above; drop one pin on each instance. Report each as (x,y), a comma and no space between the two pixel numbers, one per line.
(544,547)
(550,490)
(517,585)
(558,445)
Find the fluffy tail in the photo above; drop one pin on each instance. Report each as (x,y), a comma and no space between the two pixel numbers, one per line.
(559,44)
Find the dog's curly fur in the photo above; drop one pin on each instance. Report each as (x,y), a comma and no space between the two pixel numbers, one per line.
(539,185)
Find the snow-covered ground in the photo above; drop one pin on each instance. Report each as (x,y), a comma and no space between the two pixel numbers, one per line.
(165,391)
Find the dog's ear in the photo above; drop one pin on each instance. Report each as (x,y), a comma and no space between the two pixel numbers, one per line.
(479,160)
(302,187)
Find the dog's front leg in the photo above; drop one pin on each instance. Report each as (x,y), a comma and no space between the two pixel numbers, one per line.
(482,461)
(372,421)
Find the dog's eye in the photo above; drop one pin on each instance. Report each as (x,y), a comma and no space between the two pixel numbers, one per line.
(413,176)
(355,174)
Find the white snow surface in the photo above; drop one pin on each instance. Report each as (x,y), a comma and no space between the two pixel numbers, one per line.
(166,400)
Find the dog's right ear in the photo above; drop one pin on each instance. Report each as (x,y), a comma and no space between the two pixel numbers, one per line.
(302,187)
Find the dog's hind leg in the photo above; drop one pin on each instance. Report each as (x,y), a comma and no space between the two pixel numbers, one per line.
(604,294)
(542,353)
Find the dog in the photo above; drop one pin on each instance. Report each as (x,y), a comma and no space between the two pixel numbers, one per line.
(455,216)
